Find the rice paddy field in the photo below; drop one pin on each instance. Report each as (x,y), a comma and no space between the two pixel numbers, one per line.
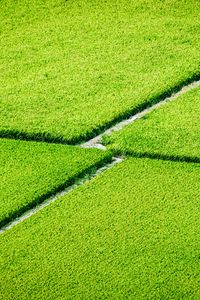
(131,232)
(121,221)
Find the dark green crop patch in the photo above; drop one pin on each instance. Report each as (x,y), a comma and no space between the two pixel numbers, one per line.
(132,232)
(171,131)
(31,172)
(71,68)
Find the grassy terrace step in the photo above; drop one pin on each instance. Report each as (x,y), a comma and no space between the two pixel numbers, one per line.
(33,171)
(71,68)
(172,131)
(132,232)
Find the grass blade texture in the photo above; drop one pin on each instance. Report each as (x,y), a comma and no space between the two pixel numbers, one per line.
(133,232)
(31,171)
(172,131)
(69,68)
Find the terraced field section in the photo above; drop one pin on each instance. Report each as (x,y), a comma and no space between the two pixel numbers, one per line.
(70,68)
(172,131)
(33,171)
(131,232)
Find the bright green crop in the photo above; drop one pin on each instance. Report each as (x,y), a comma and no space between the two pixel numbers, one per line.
(131,233)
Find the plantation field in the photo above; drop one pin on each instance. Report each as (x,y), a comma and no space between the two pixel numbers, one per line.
(132,232)
(171,131)
(33,171)
(70,68)
(68,71)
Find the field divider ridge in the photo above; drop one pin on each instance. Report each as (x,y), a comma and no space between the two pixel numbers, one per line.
(96,142)
(56,189)
(78,182)
(92,138)
(157,156)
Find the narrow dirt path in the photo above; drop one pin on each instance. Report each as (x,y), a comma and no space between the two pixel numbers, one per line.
(79,182)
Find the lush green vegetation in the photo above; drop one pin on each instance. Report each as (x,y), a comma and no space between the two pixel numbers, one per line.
(171,131)
(133,232)
(33,171)
(69,68)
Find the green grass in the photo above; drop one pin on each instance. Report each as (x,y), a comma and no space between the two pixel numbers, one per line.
(33,171)
(131,233)
(171,131)
(70,68)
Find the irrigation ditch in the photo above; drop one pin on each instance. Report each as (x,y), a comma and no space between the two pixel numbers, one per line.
(169,94)
(96,142)
(80,181)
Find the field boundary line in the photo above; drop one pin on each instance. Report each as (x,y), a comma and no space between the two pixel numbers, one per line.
(56,188)
(92,138)
(81,181)
(157,156)
(96,142)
